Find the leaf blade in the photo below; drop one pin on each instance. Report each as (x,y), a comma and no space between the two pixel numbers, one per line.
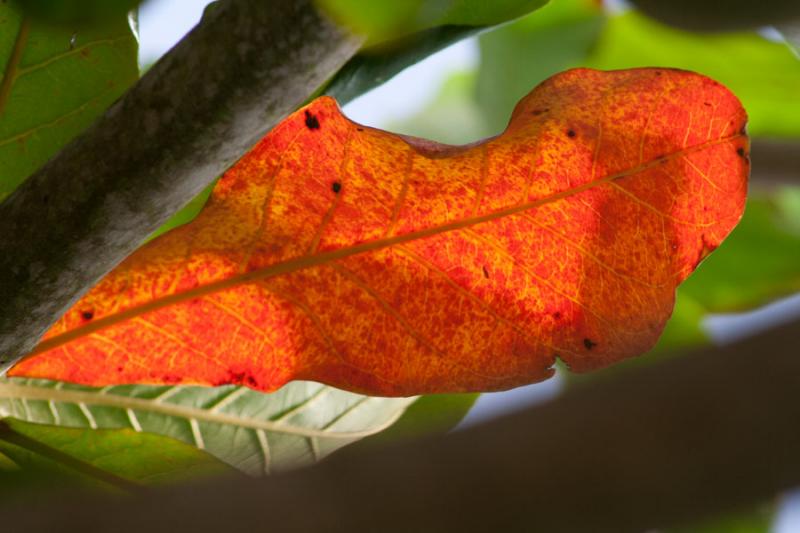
(259,296)
(253,432)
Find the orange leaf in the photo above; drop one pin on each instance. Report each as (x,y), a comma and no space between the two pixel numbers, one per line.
(395,266)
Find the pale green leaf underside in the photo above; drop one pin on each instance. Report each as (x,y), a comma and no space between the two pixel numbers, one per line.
(255,432)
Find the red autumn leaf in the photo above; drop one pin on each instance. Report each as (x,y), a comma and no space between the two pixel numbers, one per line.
(395,266)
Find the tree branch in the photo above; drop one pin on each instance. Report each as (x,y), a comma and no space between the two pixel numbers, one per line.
(651,447)
(775,162)
(241,70)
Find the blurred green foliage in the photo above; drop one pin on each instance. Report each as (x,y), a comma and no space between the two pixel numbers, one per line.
(765,75)
(381,21)
(33,457)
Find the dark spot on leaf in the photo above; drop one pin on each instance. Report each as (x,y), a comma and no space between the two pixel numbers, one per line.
(707,104)
(571,133)
(557,315)
(87,315)
(740,151)
(360,129)
(658,73)
(336,187)
(589,343)
(485,272)
(312,122)
(537,112)
(119,369)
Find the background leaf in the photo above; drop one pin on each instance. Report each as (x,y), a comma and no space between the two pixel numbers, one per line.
(386,20)
(759,261)
(123,459)
(393,21)
(56,82)
(764,75)
(255,432)
(520,55)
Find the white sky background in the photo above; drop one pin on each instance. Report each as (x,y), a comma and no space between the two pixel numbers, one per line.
(163,22)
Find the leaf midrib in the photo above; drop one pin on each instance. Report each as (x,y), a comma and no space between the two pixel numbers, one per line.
(10,74)
(309,261)
(36,392)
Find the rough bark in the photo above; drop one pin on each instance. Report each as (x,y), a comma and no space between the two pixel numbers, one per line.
(657,446)
(243,68)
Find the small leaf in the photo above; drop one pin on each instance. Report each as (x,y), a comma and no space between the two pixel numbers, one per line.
(122,459)
(456,20)
(254,432)
(397,266)
(382,20)
(55,82)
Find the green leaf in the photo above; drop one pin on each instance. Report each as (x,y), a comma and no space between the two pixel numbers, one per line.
(517,57)
(764,75)
(55,83)
(255,432)
(123,459)
(759,260)
(458,19)
(387,20)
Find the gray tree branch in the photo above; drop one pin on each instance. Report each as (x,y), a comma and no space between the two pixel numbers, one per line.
(651,447)
(241,70)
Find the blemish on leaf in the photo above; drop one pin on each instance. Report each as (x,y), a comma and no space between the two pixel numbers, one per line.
(557,315)
(658,73)
(740,151)
(571,133)
(537,112)
(336,187)
(707,104)
(359,129)
(312,122)
(589,343)
(485,272)
(87,315)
